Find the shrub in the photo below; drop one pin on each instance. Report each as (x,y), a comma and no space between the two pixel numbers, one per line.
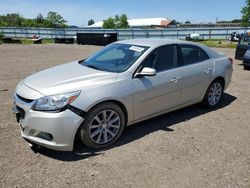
(1,37)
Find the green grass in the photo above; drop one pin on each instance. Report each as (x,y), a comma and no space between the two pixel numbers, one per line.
(216,43)
(29,41)
(219,43)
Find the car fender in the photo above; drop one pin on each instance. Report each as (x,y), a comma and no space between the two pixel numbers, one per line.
(119,91)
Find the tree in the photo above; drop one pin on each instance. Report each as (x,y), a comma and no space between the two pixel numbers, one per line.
(109,23)
(39,18)
(91,22)
(55,20)
(230,21)
(246,14)
(236,21)
(29,23)
(119,22)
(188,22)
(14,20)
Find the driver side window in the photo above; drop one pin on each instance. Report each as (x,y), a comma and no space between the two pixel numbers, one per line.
(162,58)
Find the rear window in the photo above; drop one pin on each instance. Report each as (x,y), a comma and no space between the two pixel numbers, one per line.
(192,54)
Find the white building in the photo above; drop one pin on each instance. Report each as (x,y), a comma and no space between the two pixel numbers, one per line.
(143,23)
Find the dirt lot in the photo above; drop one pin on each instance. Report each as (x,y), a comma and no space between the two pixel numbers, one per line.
(192,147)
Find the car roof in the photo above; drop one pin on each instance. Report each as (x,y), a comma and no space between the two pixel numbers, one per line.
(156,42)
(153,42)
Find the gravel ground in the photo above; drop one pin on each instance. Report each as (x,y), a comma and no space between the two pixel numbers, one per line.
(191,147)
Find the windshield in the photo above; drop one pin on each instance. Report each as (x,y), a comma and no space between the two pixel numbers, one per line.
(115,57)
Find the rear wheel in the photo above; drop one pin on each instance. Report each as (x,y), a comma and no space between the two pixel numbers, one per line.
(214,94)
(103,125)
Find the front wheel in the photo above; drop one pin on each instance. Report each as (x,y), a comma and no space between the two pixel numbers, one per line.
(214,94)
(103,125)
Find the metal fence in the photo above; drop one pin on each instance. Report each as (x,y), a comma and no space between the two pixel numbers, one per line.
(179,33)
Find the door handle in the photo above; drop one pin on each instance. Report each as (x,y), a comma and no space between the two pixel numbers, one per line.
(175,79)
(207,70)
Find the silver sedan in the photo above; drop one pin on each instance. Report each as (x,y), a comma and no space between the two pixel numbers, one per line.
(124,83)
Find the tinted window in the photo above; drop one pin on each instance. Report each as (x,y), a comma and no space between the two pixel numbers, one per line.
(163,58)
(192,54)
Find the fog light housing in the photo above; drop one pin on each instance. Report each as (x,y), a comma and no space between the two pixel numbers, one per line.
(42,135)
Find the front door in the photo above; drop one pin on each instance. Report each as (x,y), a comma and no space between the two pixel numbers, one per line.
(152,95)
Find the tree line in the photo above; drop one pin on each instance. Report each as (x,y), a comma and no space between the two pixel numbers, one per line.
(52,20)
(118,22)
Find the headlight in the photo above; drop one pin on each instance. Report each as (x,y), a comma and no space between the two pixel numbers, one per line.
(55,102)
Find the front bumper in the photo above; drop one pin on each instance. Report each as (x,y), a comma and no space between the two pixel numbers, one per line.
(36,126)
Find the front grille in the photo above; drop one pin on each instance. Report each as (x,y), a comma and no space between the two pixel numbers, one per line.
(24,99)
(21,112)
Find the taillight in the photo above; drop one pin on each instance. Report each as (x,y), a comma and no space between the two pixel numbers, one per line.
(231,60)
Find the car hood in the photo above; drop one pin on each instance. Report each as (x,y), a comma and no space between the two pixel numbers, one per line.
(68,77)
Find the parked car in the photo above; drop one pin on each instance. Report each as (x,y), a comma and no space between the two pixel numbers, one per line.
(246,60)
(234,37)
(194,37)
(243,46)
(124,83)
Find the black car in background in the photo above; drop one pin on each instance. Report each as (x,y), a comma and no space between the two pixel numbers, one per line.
(243,46)
(242,52)
(246,60)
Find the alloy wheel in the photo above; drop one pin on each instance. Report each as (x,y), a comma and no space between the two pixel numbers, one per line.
(215,93)
(104,127)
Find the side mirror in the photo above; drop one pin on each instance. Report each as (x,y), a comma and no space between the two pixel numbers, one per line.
(146,72)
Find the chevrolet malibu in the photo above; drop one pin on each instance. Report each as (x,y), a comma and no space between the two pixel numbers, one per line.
(124,83)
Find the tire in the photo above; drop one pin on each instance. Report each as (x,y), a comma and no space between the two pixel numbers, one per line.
(212,98)
(99,130)
(246,67)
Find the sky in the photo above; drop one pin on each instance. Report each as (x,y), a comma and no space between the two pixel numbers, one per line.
(78,12)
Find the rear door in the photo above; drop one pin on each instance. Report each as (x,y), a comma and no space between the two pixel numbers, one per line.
(242,47)
(196,73)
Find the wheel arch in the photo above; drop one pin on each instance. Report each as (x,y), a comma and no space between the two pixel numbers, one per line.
(118,103)
(221,78)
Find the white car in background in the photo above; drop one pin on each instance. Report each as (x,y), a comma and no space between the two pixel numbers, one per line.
(124,83)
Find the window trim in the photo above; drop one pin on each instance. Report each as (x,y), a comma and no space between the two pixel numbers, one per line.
(181,54)
(146,58)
